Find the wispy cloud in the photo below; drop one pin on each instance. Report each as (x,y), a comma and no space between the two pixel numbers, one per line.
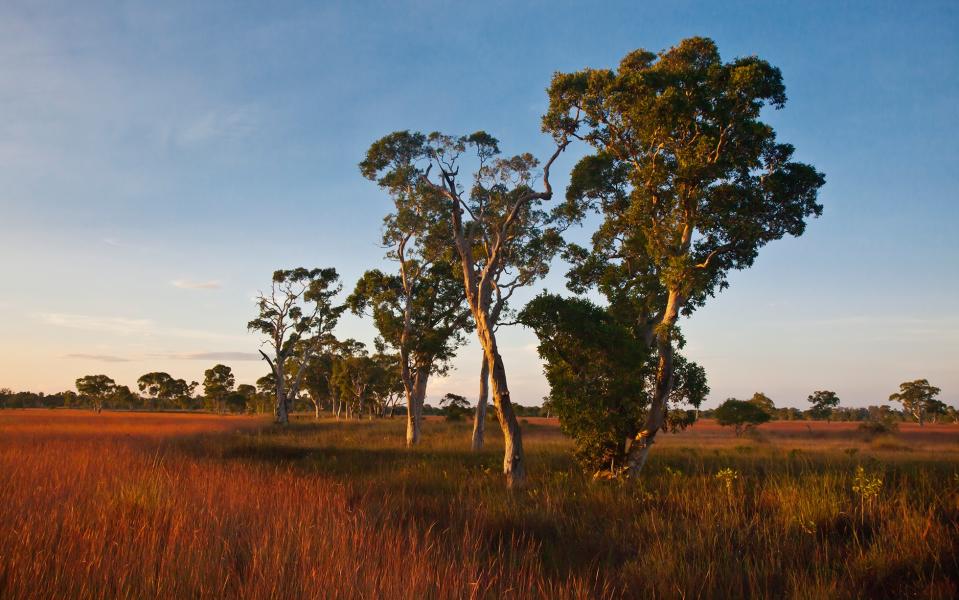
(186,284)
(99,357)
(224,123)
(210,356)
(117,325)
(128,327)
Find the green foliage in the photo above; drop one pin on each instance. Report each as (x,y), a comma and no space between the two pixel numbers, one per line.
(741,414)
(425,317)
(600,374)
(764,402)
(164,390)
(297,317)
(95,389)
(455,407)
(824,402)
(218,384)
(690,180)
(300,306)
(597,375)
(918,398)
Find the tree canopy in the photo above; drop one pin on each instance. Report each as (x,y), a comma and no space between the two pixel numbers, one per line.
(741,414)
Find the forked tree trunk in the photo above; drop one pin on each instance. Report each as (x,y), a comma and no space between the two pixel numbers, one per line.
(479,418)
(514,459)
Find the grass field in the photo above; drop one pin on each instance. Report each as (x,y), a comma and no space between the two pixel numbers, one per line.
(126,505)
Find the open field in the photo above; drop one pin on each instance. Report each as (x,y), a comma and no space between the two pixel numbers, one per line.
(137,505)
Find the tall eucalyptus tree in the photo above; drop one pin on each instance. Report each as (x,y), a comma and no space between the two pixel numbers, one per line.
(487,218)
(690,182)
(297,316)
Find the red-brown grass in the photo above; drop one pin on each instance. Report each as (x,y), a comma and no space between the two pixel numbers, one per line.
(197,506)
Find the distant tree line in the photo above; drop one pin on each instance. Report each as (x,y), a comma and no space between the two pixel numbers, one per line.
(918,399)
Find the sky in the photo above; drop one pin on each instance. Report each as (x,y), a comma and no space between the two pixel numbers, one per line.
(158,161)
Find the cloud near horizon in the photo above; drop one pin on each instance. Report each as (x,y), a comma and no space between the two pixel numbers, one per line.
(224,356)
(126,327)
(186,284)
(99,357)
(210,356)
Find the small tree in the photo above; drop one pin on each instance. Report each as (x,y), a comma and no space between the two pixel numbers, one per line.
(156,385)
(764,402)
(420,312)
(741,414)
(163,389)
(455,406)
(218,384)
(123,397)
(235,402)
(601,376)
(823,403)
(95,389)
(316,381)
(918,399)
(357,376)
(249,396)
(298,317)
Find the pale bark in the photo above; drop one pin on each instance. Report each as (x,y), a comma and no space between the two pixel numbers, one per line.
(479,417)
(514,459)
(656,416)
(478,284)
(414,405)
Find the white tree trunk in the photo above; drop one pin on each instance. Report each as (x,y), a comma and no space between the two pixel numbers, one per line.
(479,417)
(514,459)
(414,406)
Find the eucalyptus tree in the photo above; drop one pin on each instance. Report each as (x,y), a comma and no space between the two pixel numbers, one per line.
(824,402)
(487,215)
(918,398)
(95,389)
(298,317)
(419,311)
(157,385)
(690,183)
(316,381)
(355,376)
(164,390)
(743,415)
(389,388)
(526,259)
(218,382)
(250,396)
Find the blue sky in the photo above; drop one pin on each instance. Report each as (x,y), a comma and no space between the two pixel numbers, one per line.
(159,160)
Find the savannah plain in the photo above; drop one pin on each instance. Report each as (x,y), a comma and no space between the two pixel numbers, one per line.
(142,505)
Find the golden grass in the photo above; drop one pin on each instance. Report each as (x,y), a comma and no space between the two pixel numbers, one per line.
(195,506)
